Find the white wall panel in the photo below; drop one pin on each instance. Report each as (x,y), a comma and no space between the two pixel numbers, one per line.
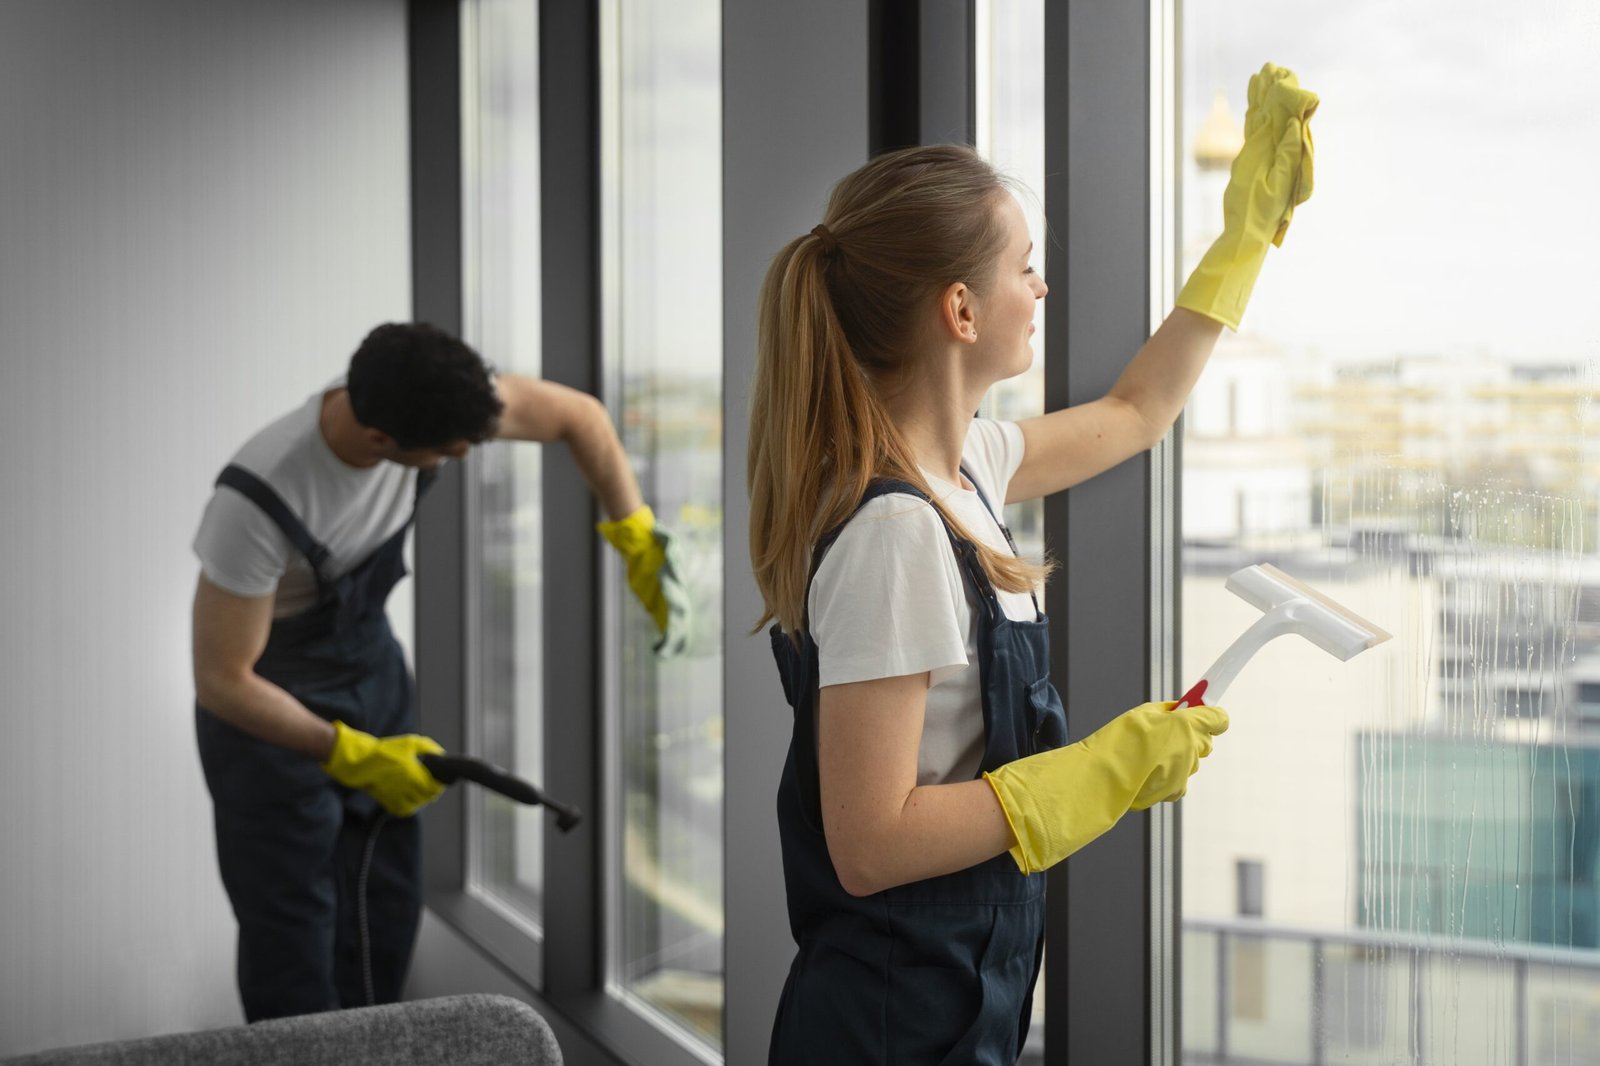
(203,207)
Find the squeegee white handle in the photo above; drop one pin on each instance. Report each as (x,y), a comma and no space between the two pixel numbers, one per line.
(1209,689)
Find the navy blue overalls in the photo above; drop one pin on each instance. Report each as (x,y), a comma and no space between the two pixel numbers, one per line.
(936,971)
(292,842)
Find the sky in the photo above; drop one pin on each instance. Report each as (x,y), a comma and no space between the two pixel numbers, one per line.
(1456,146)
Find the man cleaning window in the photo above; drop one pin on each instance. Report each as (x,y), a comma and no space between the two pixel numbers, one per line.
(306,713)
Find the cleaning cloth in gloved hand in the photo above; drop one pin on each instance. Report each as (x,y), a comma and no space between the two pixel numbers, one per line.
(1057,801)
(1272,173)
(386,768)
(654,574)
(1288,100)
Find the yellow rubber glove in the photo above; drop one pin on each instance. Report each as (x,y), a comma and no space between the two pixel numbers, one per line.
(1272,174)
(1058,801)
(654,575)
(386,768)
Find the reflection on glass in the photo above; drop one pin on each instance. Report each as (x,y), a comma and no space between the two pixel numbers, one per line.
(662,187)
(1009,76)
(1405,422)
(501,290)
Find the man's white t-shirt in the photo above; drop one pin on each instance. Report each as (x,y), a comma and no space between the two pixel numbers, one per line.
(350,510)
(889,600)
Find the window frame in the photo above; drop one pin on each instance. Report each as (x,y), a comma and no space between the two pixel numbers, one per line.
(613,593)
(1112,944)
(781,153)
(561,975)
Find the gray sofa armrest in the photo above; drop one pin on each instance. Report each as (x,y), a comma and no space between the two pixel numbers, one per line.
(474,1030)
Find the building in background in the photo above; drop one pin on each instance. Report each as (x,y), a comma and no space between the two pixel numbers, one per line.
(1405,846)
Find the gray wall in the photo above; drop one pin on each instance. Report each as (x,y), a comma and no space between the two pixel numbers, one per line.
(203,206)
(795,121)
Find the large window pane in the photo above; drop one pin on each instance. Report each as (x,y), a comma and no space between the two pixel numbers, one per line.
(1010,112)
(501,305)
(1405,422)
(1009,75)
(662,283)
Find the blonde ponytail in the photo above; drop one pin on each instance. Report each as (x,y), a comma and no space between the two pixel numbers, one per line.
(835,319)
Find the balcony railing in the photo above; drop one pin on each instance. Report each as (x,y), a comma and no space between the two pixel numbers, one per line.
(1265,995)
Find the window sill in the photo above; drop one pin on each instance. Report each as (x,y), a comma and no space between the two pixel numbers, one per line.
(627,1037)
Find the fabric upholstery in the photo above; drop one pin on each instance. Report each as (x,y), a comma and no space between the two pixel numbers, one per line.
(471,1030)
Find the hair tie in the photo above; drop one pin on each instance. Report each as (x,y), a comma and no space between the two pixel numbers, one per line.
(823,234)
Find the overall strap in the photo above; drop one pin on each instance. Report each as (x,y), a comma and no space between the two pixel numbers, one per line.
(262,495)
(998,520)
(984,496)
(425,480)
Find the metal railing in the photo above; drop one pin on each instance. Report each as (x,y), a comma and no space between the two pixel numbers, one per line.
(1255,1015)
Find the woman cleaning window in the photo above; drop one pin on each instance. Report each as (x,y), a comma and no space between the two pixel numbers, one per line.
(929,783)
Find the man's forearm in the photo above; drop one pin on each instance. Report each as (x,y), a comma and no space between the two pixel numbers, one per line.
(604,465)
(256,706)
(546,413)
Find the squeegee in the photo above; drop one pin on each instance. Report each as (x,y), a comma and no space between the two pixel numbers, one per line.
(1290,607)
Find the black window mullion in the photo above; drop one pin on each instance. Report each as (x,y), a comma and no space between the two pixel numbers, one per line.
(570,298)
(946,88)
(921,88)
(1097,108)
(434,57)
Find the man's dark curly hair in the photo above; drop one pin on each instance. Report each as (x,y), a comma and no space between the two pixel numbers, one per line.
(421,386)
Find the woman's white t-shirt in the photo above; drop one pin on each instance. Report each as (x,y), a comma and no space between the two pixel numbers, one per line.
(889,600)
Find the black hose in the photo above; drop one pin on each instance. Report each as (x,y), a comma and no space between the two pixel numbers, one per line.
(361,907)
(447,770)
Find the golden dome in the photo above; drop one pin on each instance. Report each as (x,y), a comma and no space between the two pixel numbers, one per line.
(1220,136)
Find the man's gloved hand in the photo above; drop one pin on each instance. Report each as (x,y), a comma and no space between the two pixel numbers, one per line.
(386,768)
(1271,175)
(1058,801)
(654,574)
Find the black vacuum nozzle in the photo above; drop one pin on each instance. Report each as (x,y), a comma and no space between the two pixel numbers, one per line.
(448,769)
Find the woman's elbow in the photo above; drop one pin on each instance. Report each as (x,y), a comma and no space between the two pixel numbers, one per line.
(858,883)
(1152,429)
(860,869)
